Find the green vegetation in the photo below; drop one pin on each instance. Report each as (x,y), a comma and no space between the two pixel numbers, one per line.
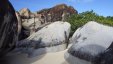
(78,20)
(43,10)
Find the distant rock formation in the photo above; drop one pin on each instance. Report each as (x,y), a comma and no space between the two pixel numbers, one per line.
(51,38)
(57,13)
(92,44)
(32,21)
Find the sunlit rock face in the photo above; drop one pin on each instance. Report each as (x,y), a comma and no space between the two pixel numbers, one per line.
(30,21)
(51,38)
(19,22)
(30,24)
(25,13)
(85,31)
(8,27)
(90,44)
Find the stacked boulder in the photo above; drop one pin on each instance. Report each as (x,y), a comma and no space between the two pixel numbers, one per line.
(92,44)
(30,21)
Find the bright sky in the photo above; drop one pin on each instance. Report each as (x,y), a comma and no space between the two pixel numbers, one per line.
(101,7)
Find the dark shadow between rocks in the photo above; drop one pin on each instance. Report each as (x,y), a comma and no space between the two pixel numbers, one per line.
(106,57)
(73,56)
(26,52)
(21,59)
(30,51)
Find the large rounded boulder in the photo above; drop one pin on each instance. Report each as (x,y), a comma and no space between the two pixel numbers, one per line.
(86,31)
(51,38)
(8,28)
(92,44)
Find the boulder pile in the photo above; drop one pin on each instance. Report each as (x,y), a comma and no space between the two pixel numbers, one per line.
(31,21)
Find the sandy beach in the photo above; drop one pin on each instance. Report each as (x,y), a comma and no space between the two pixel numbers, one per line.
(48,58)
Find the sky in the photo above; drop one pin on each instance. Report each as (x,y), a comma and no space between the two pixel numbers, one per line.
(101,7)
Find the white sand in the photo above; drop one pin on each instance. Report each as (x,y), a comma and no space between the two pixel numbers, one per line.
(49,58)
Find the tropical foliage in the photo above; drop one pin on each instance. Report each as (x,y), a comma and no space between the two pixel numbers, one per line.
(78,20)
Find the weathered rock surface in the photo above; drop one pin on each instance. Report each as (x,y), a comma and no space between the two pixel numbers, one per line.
(51,38)
(91,45)
(19,22)
(86,31)
(31,21)
(25,13)
(8,27)
(30,24)
(57,13)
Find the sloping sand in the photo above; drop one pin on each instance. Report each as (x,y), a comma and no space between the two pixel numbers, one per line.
(52,58)
(49,58)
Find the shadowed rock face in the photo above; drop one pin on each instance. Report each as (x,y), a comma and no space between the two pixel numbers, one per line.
(8,27)
(106,57)
(19,22)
